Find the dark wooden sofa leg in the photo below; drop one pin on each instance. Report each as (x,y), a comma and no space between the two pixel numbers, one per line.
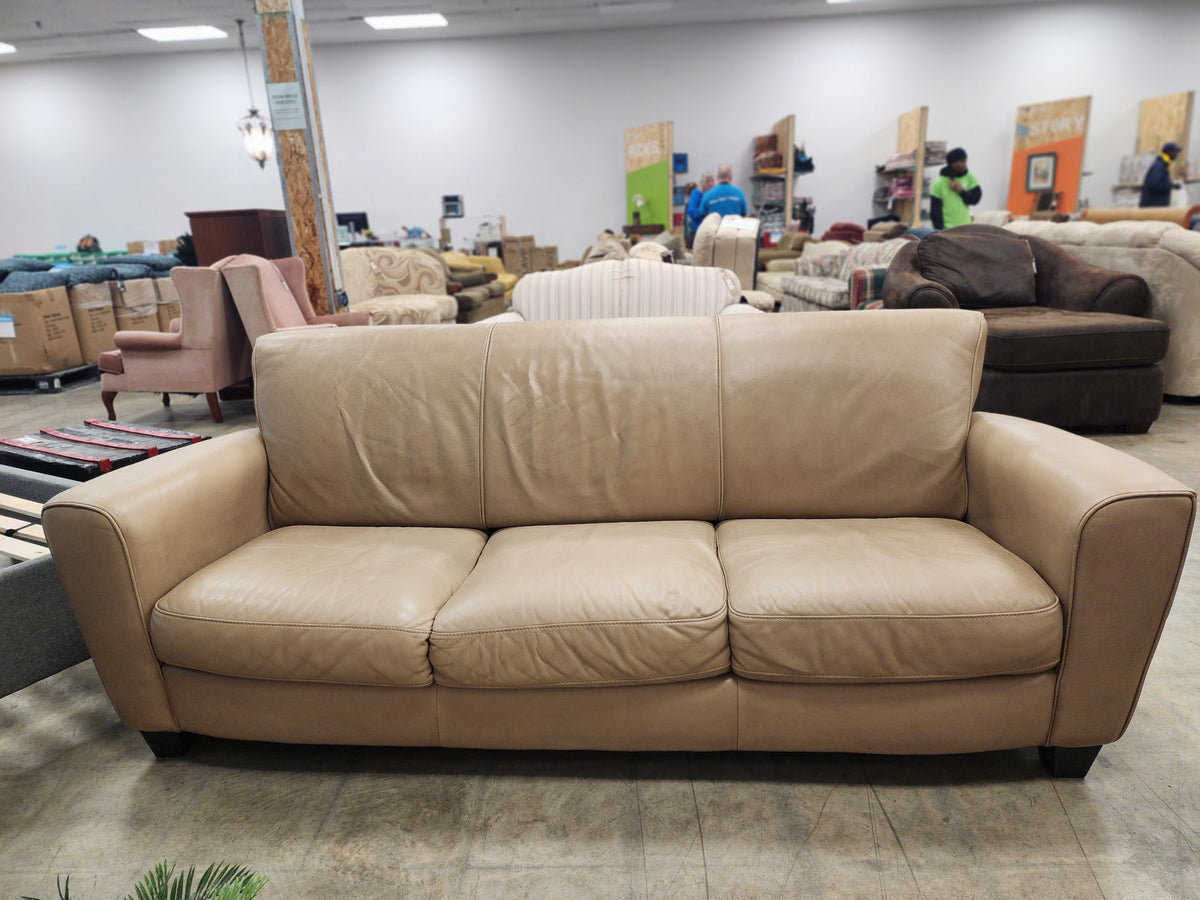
(106,397)
(166,744)
(214,407)
(1068,762)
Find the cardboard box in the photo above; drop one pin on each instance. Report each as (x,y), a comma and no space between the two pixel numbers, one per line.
(37,333)
(159,248)
(515,251)
(135,304)
(542,259)
(168,303)
(95,322)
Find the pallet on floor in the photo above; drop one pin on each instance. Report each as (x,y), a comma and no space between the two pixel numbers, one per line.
(48,382)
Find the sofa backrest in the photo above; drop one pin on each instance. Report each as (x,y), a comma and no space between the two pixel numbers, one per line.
(870,254)
(369,272)
(623,288)
(831,415)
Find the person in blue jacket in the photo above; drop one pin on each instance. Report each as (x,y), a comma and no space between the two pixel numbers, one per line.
(693,217)
(723,198)
(1156,187)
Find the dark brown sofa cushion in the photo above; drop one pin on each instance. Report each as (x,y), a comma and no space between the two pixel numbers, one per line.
(1037,338)
(981,270)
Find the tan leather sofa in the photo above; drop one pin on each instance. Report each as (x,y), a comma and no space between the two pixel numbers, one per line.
(695,533)
(1179,215)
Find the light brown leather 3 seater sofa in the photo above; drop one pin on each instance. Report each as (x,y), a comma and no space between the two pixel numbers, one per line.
(756,532)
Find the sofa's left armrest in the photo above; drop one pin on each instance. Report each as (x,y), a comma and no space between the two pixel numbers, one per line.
(866,285)
(124,540)
(1108,533)
(760,300)
(342,319)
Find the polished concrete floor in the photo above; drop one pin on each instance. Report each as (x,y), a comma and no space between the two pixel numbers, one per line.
(81,794)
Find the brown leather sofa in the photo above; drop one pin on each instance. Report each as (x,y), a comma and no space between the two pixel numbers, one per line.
(1069,344)
(707,533)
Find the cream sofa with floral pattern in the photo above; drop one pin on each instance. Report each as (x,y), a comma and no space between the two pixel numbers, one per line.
(397,286)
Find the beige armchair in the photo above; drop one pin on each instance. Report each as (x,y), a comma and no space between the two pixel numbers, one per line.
(731,242)
(210,351)
(398,286)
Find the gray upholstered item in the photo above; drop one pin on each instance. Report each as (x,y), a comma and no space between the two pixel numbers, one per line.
(24,282)
(155,261)
(39,636)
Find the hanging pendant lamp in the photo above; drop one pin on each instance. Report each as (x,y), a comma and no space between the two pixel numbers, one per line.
(255,128)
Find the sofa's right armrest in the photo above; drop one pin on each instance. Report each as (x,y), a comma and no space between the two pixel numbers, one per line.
(124,540)
(1108,533)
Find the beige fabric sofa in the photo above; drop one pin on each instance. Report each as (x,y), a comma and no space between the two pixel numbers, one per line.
(729,242)
(624,288)
(397,286)
(694,533)
(1167,257)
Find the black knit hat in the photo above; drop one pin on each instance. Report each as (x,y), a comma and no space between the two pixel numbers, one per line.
(956,154)
(1171,147)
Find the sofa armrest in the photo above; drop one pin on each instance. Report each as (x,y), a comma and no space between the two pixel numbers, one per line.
(1067,282)
(906,288)
(760,300)
(1108,533)
(124,540)
(509,315)
(740,309)
(154,341)
(866,285)
(342,319)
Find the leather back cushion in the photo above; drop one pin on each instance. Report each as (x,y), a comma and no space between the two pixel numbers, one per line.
(982,271)
(704,418)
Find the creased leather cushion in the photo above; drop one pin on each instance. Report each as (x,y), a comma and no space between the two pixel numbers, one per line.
(1042,339)
(982,271)
(866,600)
(573,605)
(346,605)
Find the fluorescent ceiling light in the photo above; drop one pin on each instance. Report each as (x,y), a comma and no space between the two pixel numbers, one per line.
(184,33)
(632,9)
(414,20)
(7,48)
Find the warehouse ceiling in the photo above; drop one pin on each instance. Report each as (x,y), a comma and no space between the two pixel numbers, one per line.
(62,29)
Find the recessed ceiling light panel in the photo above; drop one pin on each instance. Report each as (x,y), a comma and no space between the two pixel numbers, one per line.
(7,48)
(183,33)
(414,20)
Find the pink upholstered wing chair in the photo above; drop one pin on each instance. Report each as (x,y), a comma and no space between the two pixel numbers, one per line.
(270,295)
(209,351)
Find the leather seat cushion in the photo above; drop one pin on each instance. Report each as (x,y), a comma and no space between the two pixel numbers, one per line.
(1042,339)
(586,604)
(879,600)
(346,605)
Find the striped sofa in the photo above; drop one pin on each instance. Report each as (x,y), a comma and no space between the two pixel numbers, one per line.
(627,287)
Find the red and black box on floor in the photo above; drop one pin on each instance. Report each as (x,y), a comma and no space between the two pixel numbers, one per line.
(97,446)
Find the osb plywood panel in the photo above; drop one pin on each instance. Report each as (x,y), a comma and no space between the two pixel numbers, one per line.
(1039,124)
(318,132)
(1166,118)
(277,47)
(272,6)
(911,132)
(646,145)
(293,157)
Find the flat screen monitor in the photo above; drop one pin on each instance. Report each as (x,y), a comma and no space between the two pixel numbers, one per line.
(355,221)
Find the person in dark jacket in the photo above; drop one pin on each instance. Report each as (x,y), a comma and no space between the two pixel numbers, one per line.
(955,189)
(1156,187)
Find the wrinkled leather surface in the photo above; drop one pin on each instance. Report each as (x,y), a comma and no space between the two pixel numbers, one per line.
(842,414)
(882,600)
(385,430)
(615,603)
(345,605)
(602,420)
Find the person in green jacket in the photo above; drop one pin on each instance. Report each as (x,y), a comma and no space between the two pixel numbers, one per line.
(954,190)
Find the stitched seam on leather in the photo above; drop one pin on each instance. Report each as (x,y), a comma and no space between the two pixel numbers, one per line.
(668,679)
(1025,670)
(720,429)
(253,624)
(1041,611)
(487,356)
(299,679)
(516,629)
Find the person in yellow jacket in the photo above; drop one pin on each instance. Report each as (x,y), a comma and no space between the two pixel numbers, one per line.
(955,189)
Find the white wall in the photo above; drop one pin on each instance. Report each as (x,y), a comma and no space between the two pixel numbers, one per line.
(531,127)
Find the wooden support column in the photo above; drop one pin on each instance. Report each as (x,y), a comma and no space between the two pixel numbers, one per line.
(292,101)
